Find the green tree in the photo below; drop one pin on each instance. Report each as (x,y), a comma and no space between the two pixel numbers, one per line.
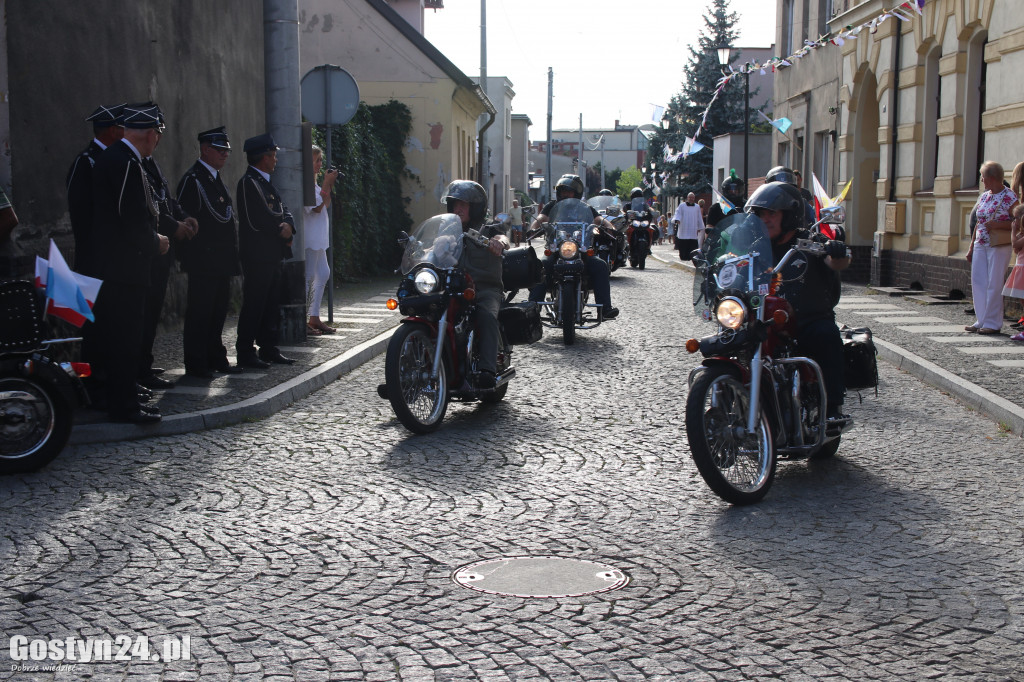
(687,107)
(630,178)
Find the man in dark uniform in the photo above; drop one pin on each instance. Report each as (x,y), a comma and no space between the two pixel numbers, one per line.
(126,244)
(265,231)
(107,128)
(210,258)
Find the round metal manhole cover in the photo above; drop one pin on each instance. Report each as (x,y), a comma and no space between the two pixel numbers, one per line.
(540,577)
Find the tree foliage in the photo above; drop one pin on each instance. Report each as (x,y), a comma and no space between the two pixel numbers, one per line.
(687,107)
(369,207)
(630,178)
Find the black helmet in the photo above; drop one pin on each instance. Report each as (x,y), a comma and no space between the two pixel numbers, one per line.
(779,196)
(635,192)
(473,194)
(605,193)
(572,182)
(781,174)
(732,188)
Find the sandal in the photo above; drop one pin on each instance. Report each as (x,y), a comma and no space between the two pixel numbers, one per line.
(987,330)
(326,329)
(313,331)
(970,328)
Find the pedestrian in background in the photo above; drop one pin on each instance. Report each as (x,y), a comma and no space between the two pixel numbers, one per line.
(317,224)
(516,213)
(990,251)
(689,224)
(126,244)
(265,231)
(210,258)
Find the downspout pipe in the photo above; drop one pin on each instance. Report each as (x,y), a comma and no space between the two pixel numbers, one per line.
(895,99)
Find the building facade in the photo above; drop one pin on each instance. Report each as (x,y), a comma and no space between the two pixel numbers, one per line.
(908,109)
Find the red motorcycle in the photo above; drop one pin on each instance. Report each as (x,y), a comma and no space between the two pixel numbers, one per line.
(753,399)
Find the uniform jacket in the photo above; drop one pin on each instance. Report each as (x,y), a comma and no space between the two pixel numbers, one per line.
(125,217)
(260,214)
(81,206)
(214,249)
(170,211)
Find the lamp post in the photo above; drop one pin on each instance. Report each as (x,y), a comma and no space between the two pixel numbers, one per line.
(723,59)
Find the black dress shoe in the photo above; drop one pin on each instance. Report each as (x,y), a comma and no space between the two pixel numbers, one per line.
(276,358)
(252,361)
(156,370)
(142,390)
(136,417)
(611,313)
(228,369)
(150,409)
(199,373)
(155,382)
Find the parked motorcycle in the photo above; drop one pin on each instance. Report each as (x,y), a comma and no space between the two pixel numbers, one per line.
(432,357)
(570,234)
(38,394)
(611,246)
(752,399)
(641,232)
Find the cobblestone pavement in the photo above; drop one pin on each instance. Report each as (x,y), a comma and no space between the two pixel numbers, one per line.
(320,543)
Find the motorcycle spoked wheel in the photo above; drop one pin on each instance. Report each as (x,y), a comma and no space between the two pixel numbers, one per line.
(34,426)
(419,402)
(567,304)
(740,470)
(811,413)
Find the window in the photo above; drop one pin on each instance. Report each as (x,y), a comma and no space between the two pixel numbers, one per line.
(974,107)
(783,156)
(932,112)
(805,21)
(824,14)
(786,37)
(823,159)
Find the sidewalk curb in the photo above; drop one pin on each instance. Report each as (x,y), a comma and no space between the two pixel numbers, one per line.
(977,398)
(258,407)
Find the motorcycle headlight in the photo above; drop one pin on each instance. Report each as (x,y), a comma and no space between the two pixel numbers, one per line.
(568,250)
(731,313)
(636,223)
(645,223)
(425,281)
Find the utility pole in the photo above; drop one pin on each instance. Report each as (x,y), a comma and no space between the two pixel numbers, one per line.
(547,157)
(579,166)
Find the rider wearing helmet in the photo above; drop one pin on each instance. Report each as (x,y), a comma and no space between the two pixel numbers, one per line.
(808,282)
(733,189)
(640,212)
(605,193)
(571,187)
(468,200)
(792,177)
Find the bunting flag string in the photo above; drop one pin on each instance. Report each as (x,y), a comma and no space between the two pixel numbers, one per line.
(903,12)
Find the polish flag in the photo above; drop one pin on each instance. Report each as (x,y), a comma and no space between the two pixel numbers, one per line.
(69,295)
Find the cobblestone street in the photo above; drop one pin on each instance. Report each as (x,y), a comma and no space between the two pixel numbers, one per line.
(320,543)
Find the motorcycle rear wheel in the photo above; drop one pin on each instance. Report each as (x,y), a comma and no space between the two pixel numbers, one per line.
(35,423)
(740,470)
(567,301)
(419,402)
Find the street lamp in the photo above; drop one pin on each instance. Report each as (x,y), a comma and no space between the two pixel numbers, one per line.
(723,59)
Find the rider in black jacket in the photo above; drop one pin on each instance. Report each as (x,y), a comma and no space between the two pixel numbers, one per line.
(571,187)
(807,283)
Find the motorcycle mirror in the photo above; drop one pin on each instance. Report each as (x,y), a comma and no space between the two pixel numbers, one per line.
(833,215)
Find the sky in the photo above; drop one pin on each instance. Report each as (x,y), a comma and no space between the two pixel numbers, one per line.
(612,59)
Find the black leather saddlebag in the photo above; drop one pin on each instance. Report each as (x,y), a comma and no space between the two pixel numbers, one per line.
(521,322)
(859,357)
(521,269)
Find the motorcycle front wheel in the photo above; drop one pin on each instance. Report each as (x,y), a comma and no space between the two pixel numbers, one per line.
(35,423)
(738,468)
(567,303)
(418,400)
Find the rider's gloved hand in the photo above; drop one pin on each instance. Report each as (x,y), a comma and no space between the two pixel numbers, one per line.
(835,249)
(819,237)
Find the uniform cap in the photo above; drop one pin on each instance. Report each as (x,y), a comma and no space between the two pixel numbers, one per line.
(259,144)
(143,115)
(216,138)
(107,116)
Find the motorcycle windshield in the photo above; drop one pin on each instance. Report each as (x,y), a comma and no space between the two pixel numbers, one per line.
(638,205)
(568,221)
(437,241)
(609,205)
(735,261)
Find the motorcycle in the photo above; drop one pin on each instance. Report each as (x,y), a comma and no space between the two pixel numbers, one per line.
(640,234)
(38,394)
(753,399)
(611,246)
(570,234)
(432,358)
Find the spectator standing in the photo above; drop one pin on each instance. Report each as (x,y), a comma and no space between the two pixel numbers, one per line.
(689,224)
(989,253)
(516,212)
(210,258)
(316,223)
(108,128)
(265,231)
(126,244)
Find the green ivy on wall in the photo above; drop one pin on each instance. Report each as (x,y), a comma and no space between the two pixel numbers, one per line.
(369,208)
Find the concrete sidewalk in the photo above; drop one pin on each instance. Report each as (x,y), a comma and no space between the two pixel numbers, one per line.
(924,336)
